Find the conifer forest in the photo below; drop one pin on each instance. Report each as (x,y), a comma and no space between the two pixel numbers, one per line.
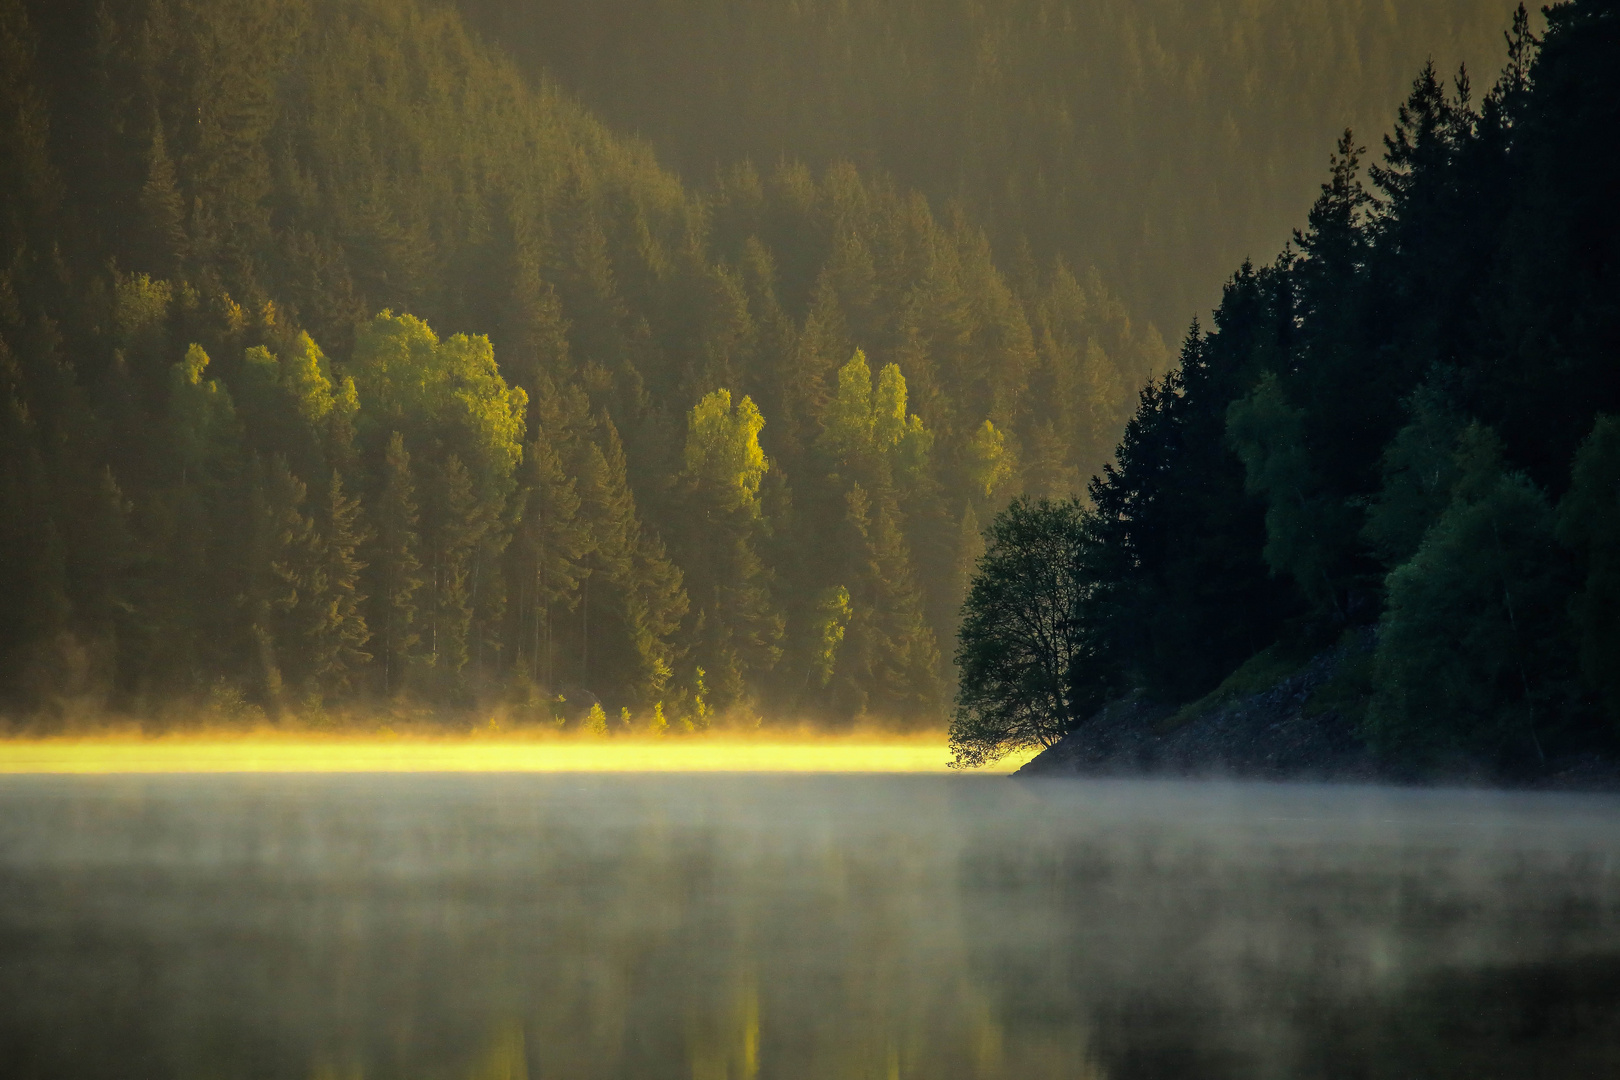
(370,355)
(1403,428)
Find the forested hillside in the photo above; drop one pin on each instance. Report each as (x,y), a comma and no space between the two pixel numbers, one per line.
(341,368)
(1162,141)
(1406,426)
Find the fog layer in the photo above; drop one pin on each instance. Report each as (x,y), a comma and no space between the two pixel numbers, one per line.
(624,926)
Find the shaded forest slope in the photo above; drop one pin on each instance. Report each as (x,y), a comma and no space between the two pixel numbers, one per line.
(1405,428)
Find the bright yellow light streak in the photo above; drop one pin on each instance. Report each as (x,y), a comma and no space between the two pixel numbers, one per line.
(353,755)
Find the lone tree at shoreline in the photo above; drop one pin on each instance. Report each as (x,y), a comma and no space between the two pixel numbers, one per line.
(1023,640)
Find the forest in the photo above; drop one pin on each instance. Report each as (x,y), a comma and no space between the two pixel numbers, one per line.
(1403,430)
(344,367)
(1161,141)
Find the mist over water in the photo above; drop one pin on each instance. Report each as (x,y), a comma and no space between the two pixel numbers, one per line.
(826,926)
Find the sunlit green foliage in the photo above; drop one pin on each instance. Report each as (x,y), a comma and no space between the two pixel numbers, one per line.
(739,628)
(833,616)
(723,456)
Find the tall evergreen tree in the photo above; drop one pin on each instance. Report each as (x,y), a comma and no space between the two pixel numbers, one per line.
(162,211)
(740,629)
(337,629)
(458,527)
(552,542)
(396,569)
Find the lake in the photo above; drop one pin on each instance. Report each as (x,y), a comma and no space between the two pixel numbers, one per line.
(736,926)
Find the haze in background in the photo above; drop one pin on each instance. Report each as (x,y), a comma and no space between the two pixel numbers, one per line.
(1161,141)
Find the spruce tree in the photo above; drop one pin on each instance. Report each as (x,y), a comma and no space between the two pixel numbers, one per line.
(458,529)
(1589,524)
(287,577)
(552,543)
(396,569)
(337,629)
(162,211)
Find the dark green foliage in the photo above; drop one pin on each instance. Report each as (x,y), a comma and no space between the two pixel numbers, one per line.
(551,544)
(1027,641)
(1589,524)
(1420,472)
(1372,439)
(456,528)
(1179,540)
(1306,528)
(1473,645)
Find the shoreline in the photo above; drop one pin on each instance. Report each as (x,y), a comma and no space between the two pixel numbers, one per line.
(1300,729)
(288,753)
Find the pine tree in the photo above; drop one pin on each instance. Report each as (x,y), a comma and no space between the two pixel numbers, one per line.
(632,594)
(654,608)
(458,530)
(1589,524)
(337,628)
(396,569)
(892,671)
(724,466)
(283,579)
(552,541)
(162,211)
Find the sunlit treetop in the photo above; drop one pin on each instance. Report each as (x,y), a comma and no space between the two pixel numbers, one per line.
(410,380)
(201,411)
(866,422)
(305,374)
(722,448)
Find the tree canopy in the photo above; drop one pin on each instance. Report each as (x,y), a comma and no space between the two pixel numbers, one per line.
(1402,426)
(1158,140)
(341,367)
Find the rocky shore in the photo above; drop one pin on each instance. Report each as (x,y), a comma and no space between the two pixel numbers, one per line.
(1294,730)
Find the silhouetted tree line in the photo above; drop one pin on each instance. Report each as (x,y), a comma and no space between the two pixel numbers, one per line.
(1409,421)
(339,365)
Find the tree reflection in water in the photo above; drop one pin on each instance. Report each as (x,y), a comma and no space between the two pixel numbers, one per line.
(356,928)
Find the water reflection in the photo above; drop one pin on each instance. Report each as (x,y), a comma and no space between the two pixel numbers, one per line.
(829,927)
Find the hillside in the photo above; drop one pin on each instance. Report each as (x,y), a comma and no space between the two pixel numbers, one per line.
(1403,429)
(1160,141)
(341,366)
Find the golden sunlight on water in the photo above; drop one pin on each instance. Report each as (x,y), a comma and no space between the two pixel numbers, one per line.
(305,754)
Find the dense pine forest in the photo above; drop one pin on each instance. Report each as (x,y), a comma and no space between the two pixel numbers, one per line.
(1403,431)
(1162,141)
(343,368)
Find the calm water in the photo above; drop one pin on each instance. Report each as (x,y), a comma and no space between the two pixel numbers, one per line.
(828,927)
